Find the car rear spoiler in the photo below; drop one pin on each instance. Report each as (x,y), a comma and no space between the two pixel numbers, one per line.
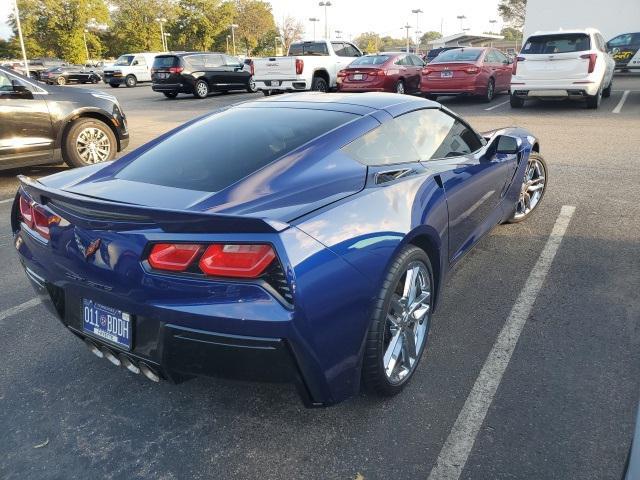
(95,213)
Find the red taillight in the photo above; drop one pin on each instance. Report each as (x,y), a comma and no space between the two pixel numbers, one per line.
(426,71)
(26,211)
(515,64)
(592,57)
(299,66)
(376,73)
(342,74)
(176,69)
(174,257)
(40,221)
(243,261)
(472,70)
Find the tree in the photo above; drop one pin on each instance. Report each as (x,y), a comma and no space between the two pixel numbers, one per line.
(6,49)
(368,42)
(134,26)
(200,23)
(429,36)
(255,21)
(513,12)
(511,34)
(291,29)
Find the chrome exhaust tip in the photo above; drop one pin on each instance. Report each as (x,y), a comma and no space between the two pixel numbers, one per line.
(93,348)
(110,356)
(128,364)
(148,372)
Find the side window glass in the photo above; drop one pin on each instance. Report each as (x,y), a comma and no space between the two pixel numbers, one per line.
(436,134)
(386,145)
(338,47)
(502,58)
(195,61)
(416,61)
(5,83)
(351,50)
(231,61)
(213,61)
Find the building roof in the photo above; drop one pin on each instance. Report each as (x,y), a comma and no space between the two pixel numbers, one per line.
(464,39)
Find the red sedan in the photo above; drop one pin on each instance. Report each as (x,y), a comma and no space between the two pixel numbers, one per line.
(481,72)
(382,72)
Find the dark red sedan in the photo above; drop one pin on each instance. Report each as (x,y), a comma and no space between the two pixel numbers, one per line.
(475,71)
(382,72)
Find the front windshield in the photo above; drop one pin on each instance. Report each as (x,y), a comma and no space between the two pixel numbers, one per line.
(123,61)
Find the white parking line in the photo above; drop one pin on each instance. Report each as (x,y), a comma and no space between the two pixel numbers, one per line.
(621,102)
(6,200)
(456,449)
(19,308)
(496,106)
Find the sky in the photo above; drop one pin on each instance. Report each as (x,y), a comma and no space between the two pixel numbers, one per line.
(353,17)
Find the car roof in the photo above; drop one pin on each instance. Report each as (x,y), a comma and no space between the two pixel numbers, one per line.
(355,102)
(561,31)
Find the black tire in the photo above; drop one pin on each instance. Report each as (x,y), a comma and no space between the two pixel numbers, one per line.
(399,87)
(319,84)
(170,94)
(266,93)
(514,218)
(201,89)
(606,93)
(516,102)
(130,81)
(593,101)
(491,91)
(70,153)
(373,371)
(114,85)
(61,80)
(94,80)
(251,87)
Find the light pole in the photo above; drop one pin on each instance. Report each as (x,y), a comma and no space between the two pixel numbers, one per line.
(326,24)
(228,37)
(417,11)
(162,21)
(166,41)
(407,26)
(492,23)
(86,48)
(233,37)
(338,34)
(24,52)
(462,18)
(313,20)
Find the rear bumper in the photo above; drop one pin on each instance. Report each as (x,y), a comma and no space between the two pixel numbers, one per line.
(282,85)
(171,87)
(469,86)
(554,88)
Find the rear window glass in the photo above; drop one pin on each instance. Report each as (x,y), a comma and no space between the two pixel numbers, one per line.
(213,153)
(461,55)
(371,60)
(300,49)
(165,61)
(565,43)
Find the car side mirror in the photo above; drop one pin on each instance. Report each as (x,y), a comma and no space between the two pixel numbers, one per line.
(507,145)
(135,62)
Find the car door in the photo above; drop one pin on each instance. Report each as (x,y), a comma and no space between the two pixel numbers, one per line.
(215,71)
(504,65)
(235,73)
(418,65)
(493,68)
(26,133)
(141,69)
(474,181)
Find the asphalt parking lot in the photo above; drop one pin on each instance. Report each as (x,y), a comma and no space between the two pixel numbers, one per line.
(564,408)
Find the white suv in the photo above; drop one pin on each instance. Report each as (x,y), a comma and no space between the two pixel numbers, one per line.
(564,63)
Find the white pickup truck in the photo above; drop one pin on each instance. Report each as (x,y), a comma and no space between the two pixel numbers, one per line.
(309,65)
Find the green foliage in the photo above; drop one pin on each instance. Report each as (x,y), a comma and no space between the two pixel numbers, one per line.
(511,34)
(255,21)
(199,24)
(513,12)
(134,27)
(429,36)
(6,49)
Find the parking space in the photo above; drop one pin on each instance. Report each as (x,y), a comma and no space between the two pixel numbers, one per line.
(563,407)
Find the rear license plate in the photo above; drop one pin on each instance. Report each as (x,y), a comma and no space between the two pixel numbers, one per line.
(275,83)
(446,74)
(358,76)
(107,323)
(163,75)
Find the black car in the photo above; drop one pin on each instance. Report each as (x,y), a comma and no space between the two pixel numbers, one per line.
(69,74)
(42,124)
(200,73)
(434,52)
(625,50)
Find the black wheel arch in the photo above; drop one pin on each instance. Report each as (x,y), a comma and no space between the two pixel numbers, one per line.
(95,114)
(322,73)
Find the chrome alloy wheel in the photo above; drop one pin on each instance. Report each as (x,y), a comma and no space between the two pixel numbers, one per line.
(400,88)
(407,323)
(532,188)
(93,145)
(202,89)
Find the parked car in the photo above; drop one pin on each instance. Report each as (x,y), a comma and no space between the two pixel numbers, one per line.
(69,74)
(42,124)
(130,69)
(199,73)
(434,52)
(625,50)
(310,65)
(313,250)
(563,64)
(478,71)
(382,72)
(39,65)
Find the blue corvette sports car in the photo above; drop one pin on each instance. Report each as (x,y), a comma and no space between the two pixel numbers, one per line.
(301,238)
